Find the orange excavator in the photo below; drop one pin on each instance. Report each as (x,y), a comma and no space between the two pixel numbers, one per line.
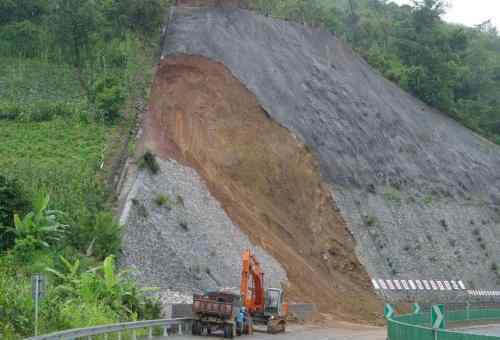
(264,306)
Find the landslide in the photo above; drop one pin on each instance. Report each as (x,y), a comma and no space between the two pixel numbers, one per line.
(419,192)
(267,181)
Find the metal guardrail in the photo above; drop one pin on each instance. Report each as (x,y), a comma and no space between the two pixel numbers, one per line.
(417,326)
(169,327)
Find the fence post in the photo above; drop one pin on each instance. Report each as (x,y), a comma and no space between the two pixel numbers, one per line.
(467,311)
(150,335)
(180,328)
(165,331)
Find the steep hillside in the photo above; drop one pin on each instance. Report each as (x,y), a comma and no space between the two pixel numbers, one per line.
(420,193)
(300,148)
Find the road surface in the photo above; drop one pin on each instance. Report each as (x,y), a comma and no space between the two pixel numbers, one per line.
(343,332)
(492,330)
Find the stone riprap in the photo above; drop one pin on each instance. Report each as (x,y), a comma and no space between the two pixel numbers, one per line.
(178,238)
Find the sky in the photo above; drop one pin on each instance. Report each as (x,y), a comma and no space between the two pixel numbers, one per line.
(469,12)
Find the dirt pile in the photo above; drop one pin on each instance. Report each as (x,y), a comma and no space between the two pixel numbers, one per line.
(266,180)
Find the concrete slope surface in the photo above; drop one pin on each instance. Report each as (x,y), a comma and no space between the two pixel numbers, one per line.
(419,192)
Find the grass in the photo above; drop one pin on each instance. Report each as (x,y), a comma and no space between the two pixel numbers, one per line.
(392,195)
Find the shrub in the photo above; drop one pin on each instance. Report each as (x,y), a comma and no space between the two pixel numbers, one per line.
(163,200)
(104,285)
(392,195)
(10,111)
(15,301)
(370,220)
(99,237)
(148,161)
(38,111)
(106,236)
(109,98)
(81,314)
(12,201)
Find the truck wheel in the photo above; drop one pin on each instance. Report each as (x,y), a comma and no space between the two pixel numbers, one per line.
(194,329)
(228,331)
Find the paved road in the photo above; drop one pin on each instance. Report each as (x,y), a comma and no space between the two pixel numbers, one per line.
(348,332)
(493,330)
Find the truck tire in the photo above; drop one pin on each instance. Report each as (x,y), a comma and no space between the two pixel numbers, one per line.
(228,331)
(195,328)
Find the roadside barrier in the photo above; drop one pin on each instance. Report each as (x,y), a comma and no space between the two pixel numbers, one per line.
(419,326)
(126,330)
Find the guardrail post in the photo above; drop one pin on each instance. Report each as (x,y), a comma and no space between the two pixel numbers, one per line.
(165,331)
(150,334)
(119,335)
(467,311)
(134,336)
(106,336)
(180,328)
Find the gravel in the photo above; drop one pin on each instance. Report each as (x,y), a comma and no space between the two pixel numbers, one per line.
(178,237)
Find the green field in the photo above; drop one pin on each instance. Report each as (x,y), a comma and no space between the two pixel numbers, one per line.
(60,157)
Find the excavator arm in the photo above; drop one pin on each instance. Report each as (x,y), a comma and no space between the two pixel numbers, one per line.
(252,283)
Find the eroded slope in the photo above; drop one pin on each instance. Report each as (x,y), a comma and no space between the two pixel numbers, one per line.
(420,193)
(266,180)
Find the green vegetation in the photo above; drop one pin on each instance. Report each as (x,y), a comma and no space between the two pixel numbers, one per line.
(392,195)
(148,161)
(451,67)
(163,200)
(70,73)
(370,220)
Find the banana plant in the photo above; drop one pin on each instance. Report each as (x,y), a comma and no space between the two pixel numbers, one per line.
(70,278)
(41,224)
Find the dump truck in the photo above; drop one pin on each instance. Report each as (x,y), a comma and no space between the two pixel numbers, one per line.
(216,311)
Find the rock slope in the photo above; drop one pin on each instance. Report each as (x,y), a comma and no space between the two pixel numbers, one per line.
(420,193)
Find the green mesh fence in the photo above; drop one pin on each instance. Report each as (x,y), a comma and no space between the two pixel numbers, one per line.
(417,326)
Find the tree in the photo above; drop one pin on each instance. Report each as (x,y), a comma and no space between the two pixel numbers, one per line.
(20,10)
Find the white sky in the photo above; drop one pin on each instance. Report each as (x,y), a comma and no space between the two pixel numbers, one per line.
(470,12)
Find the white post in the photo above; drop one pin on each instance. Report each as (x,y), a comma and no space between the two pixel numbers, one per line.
(150,336)
(134,336)
(165,331)
(37,293)
(180,328)
(119,335)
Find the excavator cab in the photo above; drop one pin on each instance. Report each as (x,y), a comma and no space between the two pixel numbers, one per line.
(274,302)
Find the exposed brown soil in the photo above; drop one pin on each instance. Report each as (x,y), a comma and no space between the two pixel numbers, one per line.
(267,181)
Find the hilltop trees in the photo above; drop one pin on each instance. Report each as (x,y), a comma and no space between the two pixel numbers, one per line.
(450,67)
